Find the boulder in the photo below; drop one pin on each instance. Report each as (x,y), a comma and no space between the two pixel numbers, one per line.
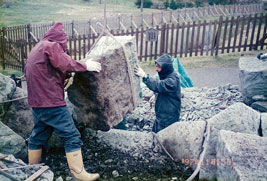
(237,118)
(102,99)
(11,143)
(241,156)
(135,143)
(17,115)
(183,140)
(7,87)
(253,78)
(264,124)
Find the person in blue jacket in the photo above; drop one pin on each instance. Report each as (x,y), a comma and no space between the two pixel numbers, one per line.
(167,90)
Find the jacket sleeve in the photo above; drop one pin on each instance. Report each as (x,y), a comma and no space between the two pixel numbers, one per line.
(161,86)
(61,60)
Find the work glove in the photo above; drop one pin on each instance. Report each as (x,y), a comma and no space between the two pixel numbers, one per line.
(152,100)
(93,66)
(139,71)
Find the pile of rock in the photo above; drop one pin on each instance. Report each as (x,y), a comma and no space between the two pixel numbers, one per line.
(17,169)
(197,104)
(253,79)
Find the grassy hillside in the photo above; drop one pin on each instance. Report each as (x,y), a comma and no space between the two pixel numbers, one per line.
(45,11)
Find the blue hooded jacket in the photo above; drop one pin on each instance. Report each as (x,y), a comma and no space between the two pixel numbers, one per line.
(168,90)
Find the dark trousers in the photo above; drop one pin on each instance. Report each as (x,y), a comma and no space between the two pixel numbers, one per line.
(160,124)
(58,119)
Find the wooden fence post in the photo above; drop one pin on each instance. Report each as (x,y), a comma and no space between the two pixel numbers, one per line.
(162,39)
(218,35)
(89,28)
(72,28)
(29,31)
(22,48)
(3,47)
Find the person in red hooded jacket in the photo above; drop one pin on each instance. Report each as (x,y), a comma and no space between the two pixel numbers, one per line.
(47,67)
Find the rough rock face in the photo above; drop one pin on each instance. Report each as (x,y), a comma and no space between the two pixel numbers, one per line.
(23,174)
(264,124)
(7,87)
(253,78)
(135,142)
(242,156)
(237,118)
(11,143)
(18,115)
(183,140)
(203,103)
(102,99)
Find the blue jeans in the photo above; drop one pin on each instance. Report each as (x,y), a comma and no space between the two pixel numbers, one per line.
(46,120)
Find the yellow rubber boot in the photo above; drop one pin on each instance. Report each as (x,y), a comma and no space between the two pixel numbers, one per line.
(34,156)
(75,162)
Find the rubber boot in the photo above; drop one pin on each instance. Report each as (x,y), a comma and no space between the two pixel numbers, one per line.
(34,156)
(75,162)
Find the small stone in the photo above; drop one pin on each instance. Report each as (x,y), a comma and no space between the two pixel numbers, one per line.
(135,178)
(68,178)
(115,173)
(109,161)
(59,179)
(174,178)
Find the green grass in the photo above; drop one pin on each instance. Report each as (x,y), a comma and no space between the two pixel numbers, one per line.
(223,60)
(21,12)
(8,71)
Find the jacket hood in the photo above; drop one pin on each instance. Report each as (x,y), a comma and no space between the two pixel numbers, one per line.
(165,62)
(57,34)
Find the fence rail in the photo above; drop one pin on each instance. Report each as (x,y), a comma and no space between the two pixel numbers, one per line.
(223,35)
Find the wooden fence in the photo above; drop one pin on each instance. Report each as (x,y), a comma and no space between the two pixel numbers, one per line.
(124,22)
(224,35)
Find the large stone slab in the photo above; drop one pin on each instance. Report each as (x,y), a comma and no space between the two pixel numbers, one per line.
(241,156)
(11,143)
(183,140)
(253,78)
(135,143)
(237,118)
(102,99)
(264,124)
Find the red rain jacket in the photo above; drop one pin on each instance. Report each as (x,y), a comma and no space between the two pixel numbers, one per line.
(47,67)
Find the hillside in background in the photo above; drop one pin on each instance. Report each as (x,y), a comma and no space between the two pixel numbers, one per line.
(21,12)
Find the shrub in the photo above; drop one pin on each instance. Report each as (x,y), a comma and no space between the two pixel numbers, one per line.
(166,4)
(173,5)
(199,3)
(189,5)
(224,2)
(147,3)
